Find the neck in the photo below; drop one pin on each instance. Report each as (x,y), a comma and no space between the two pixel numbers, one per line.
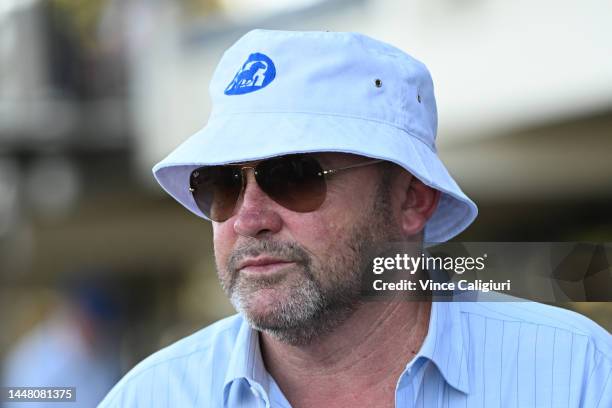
(364,356)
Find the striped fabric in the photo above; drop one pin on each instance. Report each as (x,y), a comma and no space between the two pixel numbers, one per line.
(476,354)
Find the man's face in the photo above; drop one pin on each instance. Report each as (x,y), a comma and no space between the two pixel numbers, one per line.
(297,275)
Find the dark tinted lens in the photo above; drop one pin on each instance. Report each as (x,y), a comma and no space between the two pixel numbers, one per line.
(216,190)
(293,181)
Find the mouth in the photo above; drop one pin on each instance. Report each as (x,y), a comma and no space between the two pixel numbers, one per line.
(263,266)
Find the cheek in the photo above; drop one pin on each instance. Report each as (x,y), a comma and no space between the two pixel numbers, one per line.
(320,233)
(223,241)
(339,216)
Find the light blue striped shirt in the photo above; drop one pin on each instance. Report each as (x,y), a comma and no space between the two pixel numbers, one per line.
(476,354)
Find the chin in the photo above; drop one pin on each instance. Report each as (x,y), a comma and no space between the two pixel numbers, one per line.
(264,304)
(279,305)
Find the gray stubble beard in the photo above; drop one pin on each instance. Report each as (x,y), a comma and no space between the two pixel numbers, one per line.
(312,309)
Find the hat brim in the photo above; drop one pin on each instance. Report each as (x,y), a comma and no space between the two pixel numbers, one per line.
(253,136)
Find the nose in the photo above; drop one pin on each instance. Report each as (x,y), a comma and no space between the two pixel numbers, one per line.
(256,215)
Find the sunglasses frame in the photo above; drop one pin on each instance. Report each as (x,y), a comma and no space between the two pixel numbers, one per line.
(323,173)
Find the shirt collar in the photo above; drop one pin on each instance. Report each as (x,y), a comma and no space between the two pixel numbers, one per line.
(445,346)
(246,361)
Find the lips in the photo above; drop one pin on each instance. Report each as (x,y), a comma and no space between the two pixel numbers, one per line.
(262,261)
(262,264)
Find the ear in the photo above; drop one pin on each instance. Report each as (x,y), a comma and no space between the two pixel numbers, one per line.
(418,205)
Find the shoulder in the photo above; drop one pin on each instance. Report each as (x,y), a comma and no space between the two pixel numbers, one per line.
(218,336)
(541,317)
(203,353)
(541,344)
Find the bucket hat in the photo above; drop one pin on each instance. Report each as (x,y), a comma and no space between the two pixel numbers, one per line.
(282,92)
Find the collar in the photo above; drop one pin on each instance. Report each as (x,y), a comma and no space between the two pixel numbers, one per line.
(246,362)
(444,344)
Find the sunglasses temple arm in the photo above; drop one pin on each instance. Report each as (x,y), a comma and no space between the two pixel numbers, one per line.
(367,163)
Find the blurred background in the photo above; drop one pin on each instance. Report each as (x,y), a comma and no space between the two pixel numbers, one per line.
(99,268)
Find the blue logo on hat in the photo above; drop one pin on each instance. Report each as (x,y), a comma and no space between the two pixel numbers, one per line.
(257,72)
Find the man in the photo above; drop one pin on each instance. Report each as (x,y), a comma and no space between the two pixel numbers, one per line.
(320,147)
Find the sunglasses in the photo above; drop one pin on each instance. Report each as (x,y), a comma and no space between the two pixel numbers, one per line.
(296,182)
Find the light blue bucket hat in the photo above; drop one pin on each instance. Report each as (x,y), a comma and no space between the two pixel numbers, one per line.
(281,92)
